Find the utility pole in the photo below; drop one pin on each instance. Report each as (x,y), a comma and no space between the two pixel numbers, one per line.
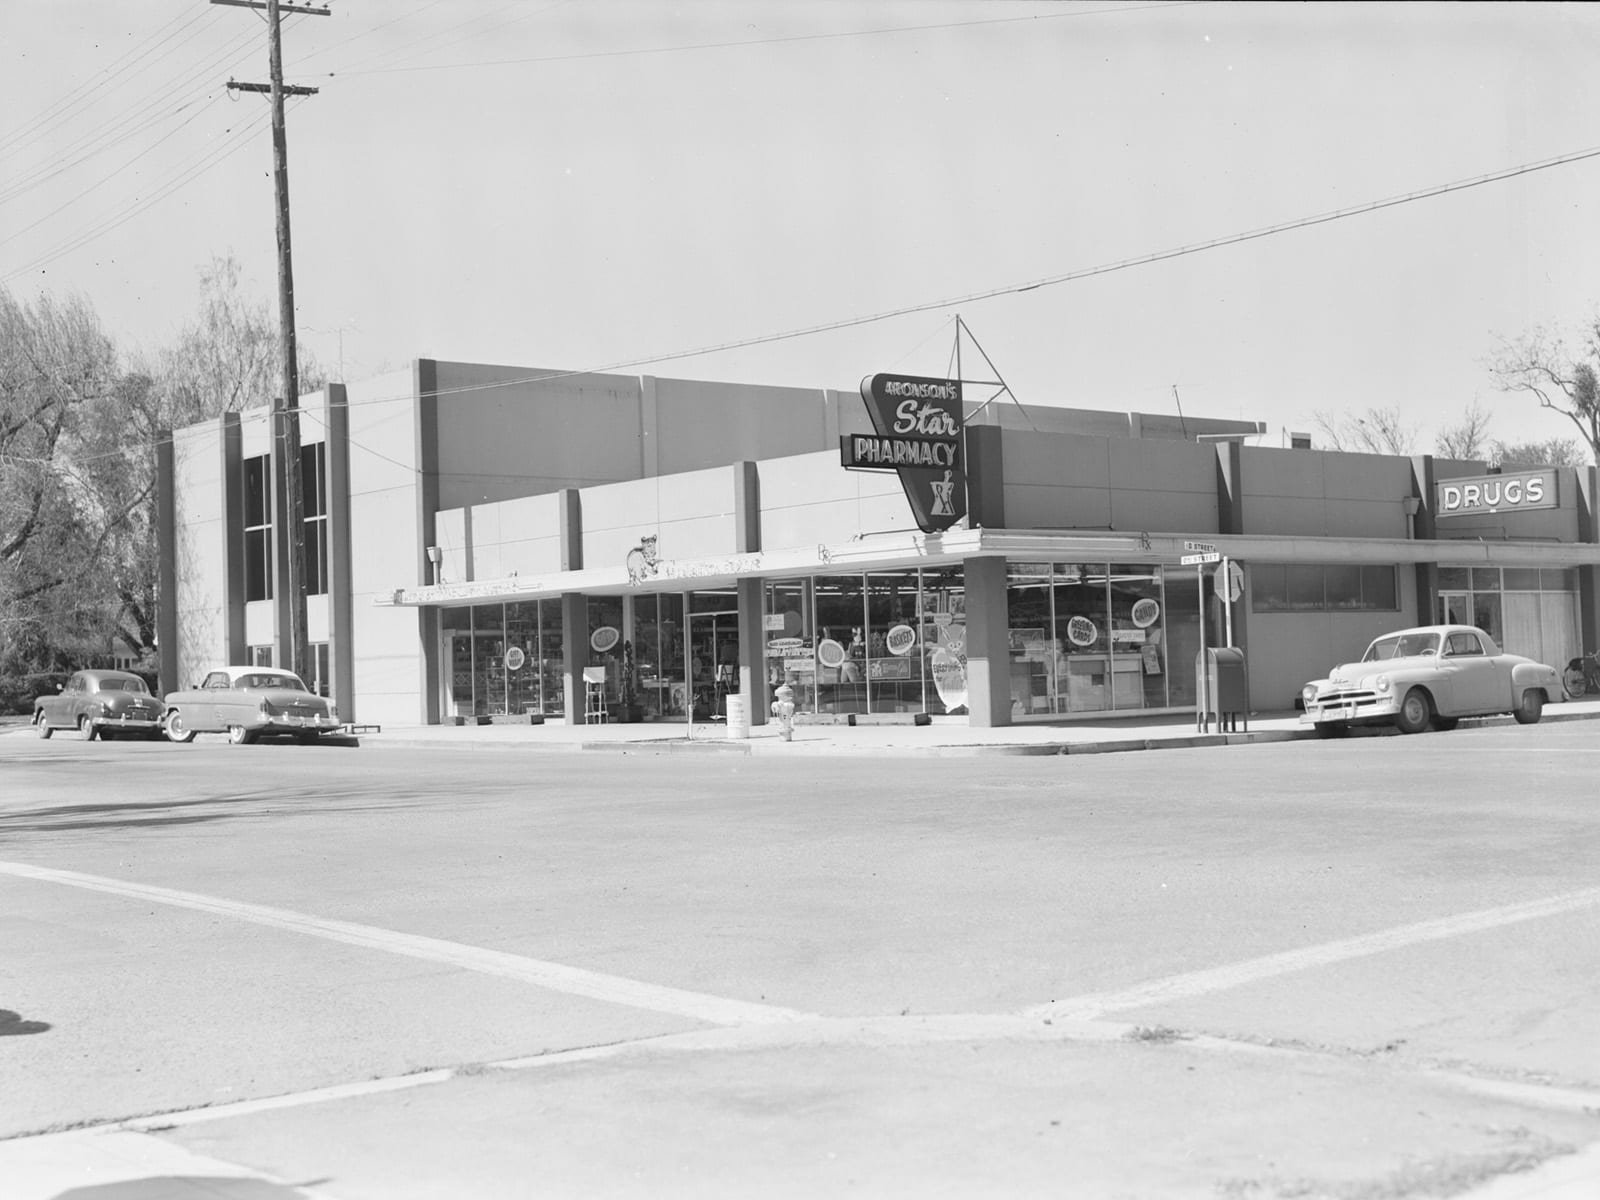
(286,408)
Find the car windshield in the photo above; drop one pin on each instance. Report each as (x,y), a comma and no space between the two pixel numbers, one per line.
(124,685)
(281,680)
(1402,645)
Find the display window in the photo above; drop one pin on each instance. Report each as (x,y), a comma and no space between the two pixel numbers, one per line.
(888,641)
(503,659)
(1088,637)
(1531,611)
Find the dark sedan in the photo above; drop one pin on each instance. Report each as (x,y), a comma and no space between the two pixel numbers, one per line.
(100,704)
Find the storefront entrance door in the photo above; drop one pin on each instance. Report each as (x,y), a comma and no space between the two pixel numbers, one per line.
(713,662)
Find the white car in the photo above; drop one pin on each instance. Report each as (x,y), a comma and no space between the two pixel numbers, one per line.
(247,702)
(1430,676)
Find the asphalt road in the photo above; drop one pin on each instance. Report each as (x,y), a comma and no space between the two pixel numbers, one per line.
(1355,969)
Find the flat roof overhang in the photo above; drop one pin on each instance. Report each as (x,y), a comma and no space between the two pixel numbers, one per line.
(901,550)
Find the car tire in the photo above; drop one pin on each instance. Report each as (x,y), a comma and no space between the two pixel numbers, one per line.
(1416,712)
(175,729)
(238,735)
(1530,707)
(1446,724)
(86,730)
(41,725)
(1573,682)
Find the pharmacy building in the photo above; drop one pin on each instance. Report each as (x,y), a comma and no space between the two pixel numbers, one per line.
(491,543)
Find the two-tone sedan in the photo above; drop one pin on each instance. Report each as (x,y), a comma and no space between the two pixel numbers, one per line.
(100,704)
(247,703)
(1431,676)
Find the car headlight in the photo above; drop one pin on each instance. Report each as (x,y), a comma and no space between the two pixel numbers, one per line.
(1381,683)
(1308,693)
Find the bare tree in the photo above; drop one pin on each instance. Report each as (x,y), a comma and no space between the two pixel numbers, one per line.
(1468,438)
(229,357)
(1553,452)
(1372,431)
(1562,379)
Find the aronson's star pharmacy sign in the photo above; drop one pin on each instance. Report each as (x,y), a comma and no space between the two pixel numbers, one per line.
(917,424)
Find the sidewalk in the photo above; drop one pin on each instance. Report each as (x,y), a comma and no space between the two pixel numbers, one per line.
(951,736)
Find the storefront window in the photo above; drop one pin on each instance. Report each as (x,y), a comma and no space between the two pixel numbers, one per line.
(841,643)
(943,628)
(790,643)
(1082,633)
(503,658)
(1031,640)
(1138,638)
(659,655)
(1099,637)
(521,657)
(604,642)
(893,666)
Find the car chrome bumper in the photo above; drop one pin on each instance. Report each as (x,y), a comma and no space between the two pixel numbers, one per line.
(1350,708)
(148,724)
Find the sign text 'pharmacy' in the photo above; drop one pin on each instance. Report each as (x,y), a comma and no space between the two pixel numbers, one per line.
(917,426)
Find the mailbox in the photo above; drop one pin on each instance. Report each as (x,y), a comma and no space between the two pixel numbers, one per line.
(1224,688)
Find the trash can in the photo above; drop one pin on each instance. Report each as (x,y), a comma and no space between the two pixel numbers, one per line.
(738,714)
(1224,688)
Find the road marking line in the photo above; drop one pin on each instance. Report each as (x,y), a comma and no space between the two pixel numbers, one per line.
(557,977)
(1217,979)
(118,1162)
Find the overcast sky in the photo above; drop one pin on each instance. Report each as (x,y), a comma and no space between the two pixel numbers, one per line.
(605,184)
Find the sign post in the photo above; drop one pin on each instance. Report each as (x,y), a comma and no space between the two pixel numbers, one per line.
(1201,553)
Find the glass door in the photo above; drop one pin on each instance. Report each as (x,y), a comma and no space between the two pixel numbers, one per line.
(713,663)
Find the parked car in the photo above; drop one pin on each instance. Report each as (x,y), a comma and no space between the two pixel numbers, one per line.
(1433,675)
(100,704)
(247,703)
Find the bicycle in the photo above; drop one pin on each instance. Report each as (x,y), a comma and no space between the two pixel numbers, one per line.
(1582,675)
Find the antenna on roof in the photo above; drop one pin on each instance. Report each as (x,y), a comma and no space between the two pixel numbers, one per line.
(998,381)
(1182,424)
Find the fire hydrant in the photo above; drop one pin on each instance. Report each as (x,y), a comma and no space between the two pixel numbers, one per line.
(783,710)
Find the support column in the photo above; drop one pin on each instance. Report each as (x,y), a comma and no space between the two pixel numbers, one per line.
(426,433)
(1425,529)
(574,652)
(341,613)
(232,445)
(167,560)
(988,643)
(1588,577)
(753,650)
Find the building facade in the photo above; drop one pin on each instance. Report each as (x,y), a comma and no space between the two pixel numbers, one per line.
(488,542)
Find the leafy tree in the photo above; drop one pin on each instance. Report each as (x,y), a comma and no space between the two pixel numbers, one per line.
(1562,379)
(54,360)
(78,536)
(1374,431)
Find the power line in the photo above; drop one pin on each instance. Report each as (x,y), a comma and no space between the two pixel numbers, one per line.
(211,157)
(98,83)
(772,41)
(1016,289)
(107,135)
